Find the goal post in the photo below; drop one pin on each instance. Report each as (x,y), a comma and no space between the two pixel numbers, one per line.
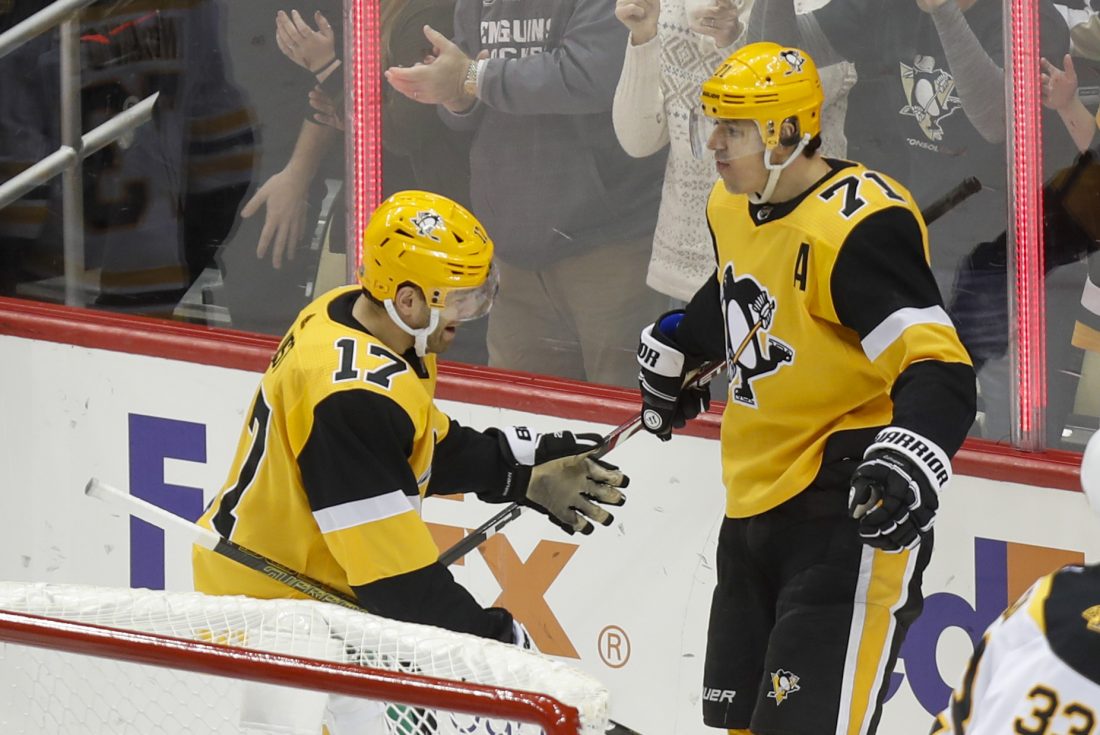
(89,660)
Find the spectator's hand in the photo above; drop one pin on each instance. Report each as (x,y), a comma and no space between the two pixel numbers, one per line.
(640,17)
(1059,87)
(311,49)
(439,79)
(284,195)
(929,5)
(327,112)
(719,19)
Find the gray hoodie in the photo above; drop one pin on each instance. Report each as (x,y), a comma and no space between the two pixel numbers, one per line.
(547,175)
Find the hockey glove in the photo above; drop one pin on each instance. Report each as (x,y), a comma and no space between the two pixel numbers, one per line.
(666,404)
(895,491)
(509,630)
(563,482)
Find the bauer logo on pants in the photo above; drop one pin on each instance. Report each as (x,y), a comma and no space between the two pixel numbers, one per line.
(718,695)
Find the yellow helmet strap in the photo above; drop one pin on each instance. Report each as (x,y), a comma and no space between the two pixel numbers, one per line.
(420,336)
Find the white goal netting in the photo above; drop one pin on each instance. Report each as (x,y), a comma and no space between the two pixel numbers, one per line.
(57,691)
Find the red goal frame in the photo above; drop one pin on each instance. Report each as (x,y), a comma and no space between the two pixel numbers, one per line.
(201,657)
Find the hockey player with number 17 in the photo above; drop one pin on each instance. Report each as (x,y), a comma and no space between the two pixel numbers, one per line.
(849,393)
(344,440)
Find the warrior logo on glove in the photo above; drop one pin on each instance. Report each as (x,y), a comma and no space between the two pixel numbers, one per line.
(652,419)
(749,311)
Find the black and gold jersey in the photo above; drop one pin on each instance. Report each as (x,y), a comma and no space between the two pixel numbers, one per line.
(1037,668)
(338,451)
(834,328)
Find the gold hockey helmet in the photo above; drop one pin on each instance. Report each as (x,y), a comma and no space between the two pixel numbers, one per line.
(766,83)
(434,243)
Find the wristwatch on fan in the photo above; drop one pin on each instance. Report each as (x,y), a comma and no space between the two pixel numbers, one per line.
(469,85)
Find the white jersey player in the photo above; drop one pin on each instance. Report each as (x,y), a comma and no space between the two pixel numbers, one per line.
(1036,670)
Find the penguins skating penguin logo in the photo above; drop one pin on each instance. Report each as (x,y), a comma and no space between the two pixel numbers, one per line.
(427,222)
(784,684)
(794,59)
(753,352)
(931,95)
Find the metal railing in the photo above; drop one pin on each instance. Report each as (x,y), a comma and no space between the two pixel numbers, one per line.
(68,158)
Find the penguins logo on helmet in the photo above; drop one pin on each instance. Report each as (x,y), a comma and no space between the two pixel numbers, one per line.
(794,59)
(427,223)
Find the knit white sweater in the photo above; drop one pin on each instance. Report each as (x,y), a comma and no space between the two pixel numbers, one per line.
(658,87)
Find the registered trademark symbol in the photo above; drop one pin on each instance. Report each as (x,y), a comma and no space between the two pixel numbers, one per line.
(614,646)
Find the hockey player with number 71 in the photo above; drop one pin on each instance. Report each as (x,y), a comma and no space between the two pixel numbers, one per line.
(849,392)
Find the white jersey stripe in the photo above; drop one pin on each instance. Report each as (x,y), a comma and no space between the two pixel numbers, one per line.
(892,327)
(859,607)
(358,512)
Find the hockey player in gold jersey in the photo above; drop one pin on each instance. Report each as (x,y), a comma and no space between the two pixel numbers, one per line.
(344,440)
(849,392)
(1037,668)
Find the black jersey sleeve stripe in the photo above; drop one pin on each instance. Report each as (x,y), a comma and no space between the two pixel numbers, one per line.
(937,400)
(881,271)
(431,596)
(471,461)
(702,333)
(357,449)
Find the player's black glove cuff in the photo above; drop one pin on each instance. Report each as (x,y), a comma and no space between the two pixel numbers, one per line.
(666,404)
(895,490)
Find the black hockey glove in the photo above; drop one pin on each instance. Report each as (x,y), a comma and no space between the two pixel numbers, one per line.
(557,477)
(895,491)
(666,404)
(509,630)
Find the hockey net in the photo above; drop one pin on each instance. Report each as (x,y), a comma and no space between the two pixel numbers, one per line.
(79,659)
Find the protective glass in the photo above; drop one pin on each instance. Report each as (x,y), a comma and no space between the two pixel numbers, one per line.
(466,304)
(739,138)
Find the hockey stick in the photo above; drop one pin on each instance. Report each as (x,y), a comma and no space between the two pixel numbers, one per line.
(967,187)
(614,438)
(962,191)
(208,539)
(204,537)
